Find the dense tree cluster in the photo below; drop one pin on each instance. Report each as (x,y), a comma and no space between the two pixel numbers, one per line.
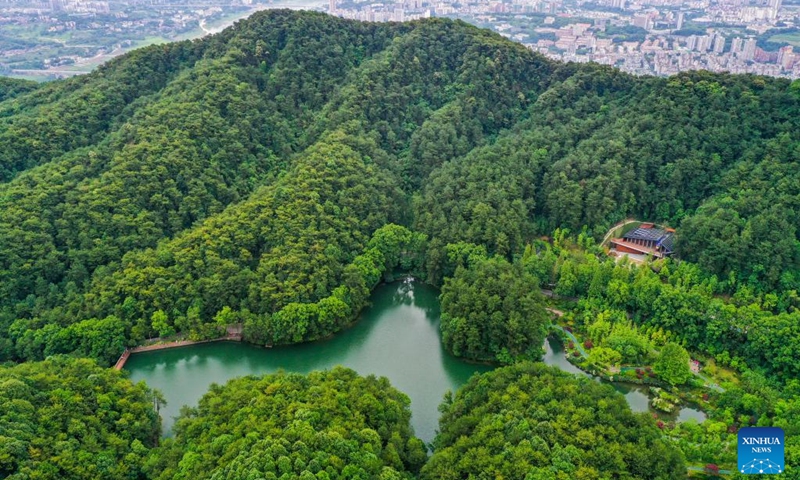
(327,425)
(71,419)
(11,87)
(673,301)
(531,421)
(246,185)
(712,155)
(493,311)
(272,175)
(231,178)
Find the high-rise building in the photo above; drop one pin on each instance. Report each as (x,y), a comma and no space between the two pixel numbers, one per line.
(736,45)
(703,43)
(642,21)
(332,7)
(719,43)
(679,23)
(786,57)
(749,50)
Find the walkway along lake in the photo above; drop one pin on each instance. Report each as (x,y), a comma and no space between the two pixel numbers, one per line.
(397,337)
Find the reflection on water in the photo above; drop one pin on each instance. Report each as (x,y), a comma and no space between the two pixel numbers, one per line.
(397,337)
(636,395)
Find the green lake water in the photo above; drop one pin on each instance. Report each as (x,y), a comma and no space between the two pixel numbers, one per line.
(396,337)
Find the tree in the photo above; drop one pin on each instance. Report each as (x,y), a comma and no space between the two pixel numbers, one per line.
(605,356)
(534,421)
(160,323)
(334,424)
(672,364)
(492,310)
(70,418)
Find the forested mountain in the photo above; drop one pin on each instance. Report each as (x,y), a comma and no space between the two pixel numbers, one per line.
(244,172)
(327,425)
(273,174)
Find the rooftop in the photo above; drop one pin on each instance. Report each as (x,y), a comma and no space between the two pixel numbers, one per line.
(664,238)
(654,234)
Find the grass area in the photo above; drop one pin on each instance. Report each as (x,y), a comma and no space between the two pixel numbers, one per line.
(719,374)
(790,38)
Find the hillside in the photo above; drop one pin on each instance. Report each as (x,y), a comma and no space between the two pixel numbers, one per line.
(245,173)
(273,174)
(247,170)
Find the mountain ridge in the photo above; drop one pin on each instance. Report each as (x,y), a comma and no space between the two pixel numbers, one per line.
(460,134)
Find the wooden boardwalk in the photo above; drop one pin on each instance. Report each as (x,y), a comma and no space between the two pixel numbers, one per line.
(234,335)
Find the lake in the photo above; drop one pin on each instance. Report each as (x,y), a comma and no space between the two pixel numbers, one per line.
(396,337)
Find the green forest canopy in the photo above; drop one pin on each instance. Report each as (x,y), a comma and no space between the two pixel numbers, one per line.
(270,175)
(71,419)
(247,170)
(532,421)
(326,425)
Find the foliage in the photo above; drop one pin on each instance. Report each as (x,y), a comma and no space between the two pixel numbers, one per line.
(599,146)
(678,302)
(492,310)
(333,425)
(266,176)
(247,170)
(672,364)
(11,87)
(755,401)
(533,421)
(68,418)
(604,356)
(631,345)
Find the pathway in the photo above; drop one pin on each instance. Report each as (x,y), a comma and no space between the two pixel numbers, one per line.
(558,313)
(703,469)
(234,335)
(620,224)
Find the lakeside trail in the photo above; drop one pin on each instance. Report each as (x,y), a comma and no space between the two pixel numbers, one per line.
(233,335)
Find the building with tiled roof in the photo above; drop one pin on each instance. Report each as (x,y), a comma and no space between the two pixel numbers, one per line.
(647,240)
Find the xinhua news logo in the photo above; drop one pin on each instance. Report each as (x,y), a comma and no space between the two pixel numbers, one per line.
(761,450)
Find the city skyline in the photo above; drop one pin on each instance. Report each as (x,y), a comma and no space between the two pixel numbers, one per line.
(643,37)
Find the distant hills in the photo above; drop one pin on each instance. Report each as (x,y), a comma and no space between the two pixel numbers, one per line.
(247,171)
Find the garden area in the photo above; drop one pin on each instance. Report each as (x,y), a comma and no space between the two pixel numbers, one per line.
(610,346)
